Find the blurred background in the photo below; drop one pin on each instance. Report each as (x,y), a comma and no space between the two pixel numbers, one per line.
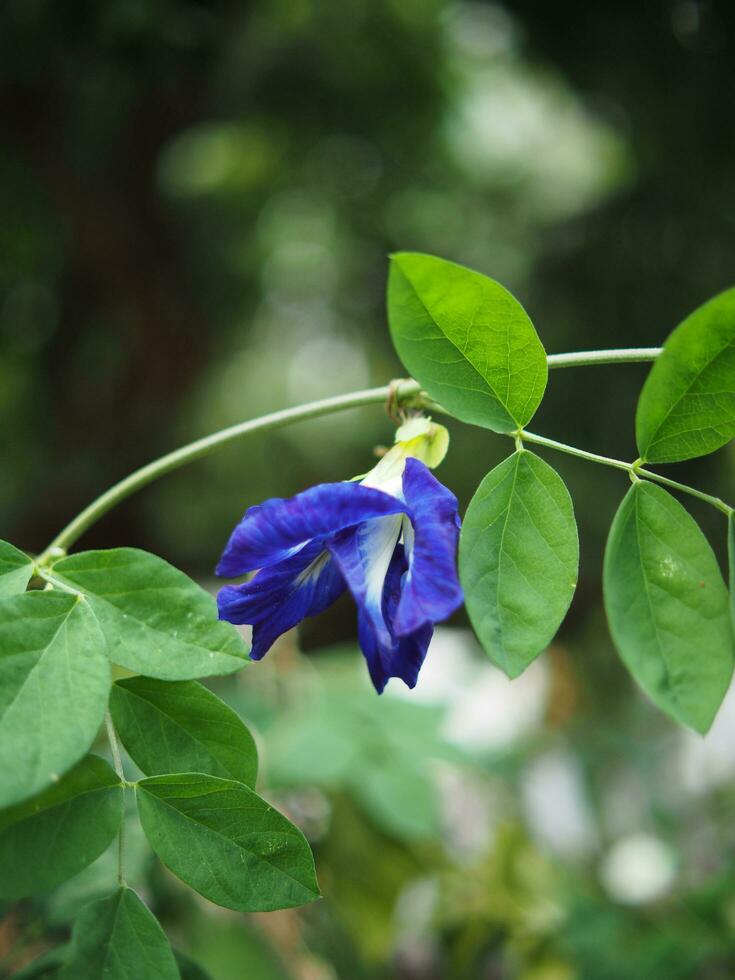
(197,200)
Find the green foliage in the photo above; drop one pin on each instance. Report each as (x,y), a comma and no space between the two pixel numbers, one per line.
(102,876)
(117,938)
(518,559)
(472,347)
(155,619)
(687,406)
(15,570)
(188,969)
(85,805)
(668,606)
(160,129)
(467,341)
(226,842)
(397,796)
(54,681)
(379,752)
(180,726)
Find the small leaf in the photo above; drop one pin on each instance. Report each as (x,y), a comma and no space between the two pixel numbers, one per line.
(118,938)
(57,834)
(687,406)
(226,842)
(180,726)
(667,606)
(518,559)
(16,570)
(54,682)
(466,340)
(156,620)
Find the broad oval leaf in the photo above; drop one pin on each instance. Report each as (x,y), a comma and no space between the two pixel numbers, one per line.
(54,682)
(226,842)
(180,726)
(156,620)
(518,559)
(16,570)
(118,938)
(466,340)
(687,406)
(667,606)
(57,834)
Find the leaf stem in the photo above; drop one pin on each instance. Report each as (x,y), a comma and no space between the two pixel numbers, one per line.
(683,488)
(562,447)
(633,469)
(117,762)
(56,583)
(398,393)
(628,355)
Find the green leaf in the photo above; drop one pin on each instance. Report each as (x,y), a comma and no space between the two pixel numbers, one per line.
(687,406)
(16,570)
(57,834)
(54,682)
(518,559)
(188,968)
(180,726)
(226,842)
(156,620)
(398,795)
(466,340)
(667,606)
(118,938)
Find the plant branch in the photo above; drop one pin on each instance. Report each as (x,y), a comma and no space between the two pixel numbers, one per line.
(683,488)
(117,761)
(629,355)
(633,469)
(203,447)
(276,420)
(562,447)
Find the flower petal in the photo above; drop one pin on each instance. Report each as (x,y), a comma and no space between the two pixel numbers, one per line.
(431,590)
(364,555)
(280,596)
(273,531)
(387,655)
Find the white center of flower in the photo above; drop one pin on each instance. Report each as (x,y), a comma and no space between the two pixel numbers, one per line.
(377,540)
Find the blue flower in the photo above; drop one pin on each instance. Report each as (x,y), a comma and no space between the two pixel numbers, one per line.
(391,539)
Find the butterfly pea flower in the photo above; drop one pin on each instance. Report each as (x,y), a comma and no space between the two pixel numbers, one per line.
(389,537)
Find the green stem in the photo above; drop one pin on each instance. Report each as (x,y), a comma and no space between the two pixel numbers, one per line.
(117,761)
(629,355)
(633,469)
(562,447)
(683,488)
(56,583)
(203,447)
